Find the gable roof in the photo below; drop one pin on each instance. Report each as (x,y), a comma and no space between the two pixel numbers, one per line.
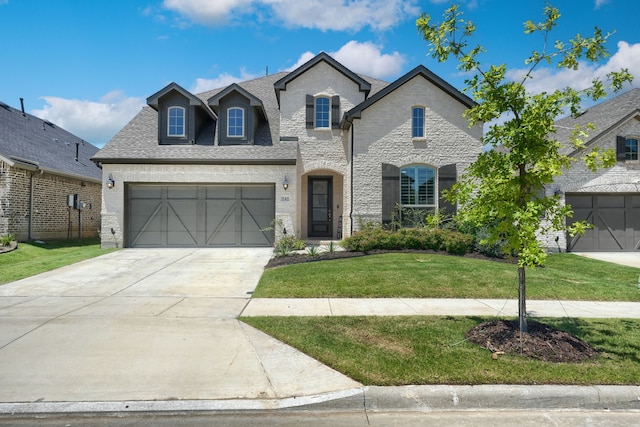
(281,84)
(154,100)
(605,116)
(30,142)
(420,70)
(214,101)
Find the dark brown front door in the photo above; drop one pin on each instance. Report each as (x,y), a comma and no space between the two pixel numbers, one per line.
(320,204)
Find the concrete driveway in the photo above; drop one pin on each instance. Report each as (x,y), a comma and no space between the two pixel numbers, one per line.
(148,324)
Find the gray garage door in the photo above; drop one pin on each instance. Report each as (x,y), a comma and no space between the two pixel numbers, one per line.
(199,215)
(615,219)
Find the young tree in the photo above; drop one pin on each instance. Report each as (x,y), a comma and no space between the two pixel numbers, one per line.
(505,185)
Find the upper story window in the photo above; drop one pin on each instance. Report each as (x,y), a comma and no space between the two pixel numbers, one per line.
(322,113)
(175,124)
(417,122)
(418,186)
(235,122)
(631,149)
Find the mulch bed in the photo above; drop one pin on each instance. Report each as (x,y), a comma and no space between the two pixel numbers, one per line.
(541,342)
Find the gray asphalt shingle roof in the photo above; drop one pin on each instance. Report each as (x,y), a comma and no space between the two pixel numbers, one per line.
(604,116)
(138,140)
(29,140)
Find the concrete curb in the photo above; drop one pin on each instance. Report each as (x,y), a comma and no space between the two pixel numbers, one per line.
(376,399)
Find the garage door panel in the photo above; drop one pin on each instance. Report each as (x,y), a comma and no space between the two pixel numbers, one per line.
(198,215)
(615,220)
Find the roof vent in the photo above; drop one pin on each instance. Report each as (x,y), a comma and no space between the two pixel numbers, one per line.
(22,106)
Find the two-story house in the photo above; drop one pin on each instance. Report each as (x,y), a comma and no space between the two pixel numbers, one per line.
(319,149)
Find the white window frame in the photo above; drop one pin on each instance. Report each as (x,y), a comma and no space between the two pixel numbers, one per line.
(626,153)
(413,127)
(315,112)
(229,122)
(183,118)
(434,193)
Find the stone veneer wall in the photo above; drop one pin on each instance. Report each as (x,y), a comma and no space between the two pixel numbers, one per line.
(52,218)
(383,135)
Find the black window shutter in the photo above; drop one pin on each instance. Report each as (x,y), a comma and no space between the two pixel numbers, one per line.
(335,112)
(390,191)
(446,178)
(310,111)
(621,145)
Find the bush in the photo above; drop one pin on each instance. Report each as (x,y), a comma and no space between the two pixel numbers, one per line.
(287,244)
(7,239)
(409,238)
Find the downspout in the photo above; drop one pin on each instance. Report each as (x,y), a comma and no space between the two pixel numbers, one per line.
(353,131)
(31,187)
(31,202)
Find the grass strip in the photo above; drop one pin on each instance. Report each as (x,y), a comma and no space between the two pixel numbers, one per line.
(416,275)
(418,350)
(33,258)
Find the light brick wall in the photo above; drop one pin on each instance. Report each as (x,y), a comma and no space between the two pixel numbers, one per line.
(113,200)
(624,177)
(383,135)
(51,218)
(320,152)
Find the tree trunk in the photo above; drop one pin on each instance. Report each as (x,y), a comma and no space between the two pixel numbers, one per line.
(522,299)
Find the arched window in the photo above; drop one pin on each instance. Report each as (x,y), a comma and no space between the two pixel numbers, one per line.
(418,186)
(175,124)
(322,112)
(235,122)
(417,122)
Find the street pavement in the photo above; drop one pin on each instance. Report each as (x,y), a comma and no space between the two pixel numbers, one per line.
(147,330)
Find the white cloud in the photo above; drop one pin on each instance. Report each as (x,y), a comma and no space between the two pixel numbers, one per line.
(600,3)
(94,121)
(550,79)
(208,12)
(339,15)
(363,58)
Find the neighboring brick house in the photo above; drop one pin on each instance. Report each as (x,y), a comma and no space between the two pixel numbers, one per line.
(41,164)
(608,199)
(320,149)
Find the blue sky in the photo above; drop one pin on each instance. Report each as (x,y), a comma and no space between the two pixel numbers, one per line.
(88,66)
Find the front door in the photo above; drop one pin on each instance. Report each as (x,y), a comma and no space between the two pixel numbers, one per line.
(320,204)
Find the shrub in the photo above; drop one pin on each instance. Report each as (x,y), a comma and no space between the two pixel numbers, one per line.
(457,243)
(409,238)
(7,239)
(288,244)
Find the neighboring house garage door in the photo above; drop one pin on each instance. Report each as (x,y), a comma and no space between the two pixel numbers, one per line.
(615,219)
(199,215)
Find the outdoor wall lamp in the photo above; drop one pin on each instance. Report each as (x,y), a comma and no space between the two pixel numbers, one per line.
(110,182)
(285,184)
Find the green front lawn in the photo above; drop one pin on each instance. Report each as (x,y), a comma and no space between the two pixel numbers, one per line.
(432,350)
(33,258)
(416,275)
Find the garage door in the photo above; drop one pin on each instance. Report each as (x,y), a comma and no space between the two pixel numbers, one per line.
(200,215)
(615,219)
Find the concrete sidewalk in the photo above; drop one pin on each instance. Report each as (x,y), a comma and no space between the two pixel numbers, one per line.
(436,307)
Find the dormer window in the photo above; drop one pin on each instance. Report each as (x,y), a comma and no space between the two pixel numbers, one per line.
(322,113)
(235,122)
(417,122)
(175,124)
